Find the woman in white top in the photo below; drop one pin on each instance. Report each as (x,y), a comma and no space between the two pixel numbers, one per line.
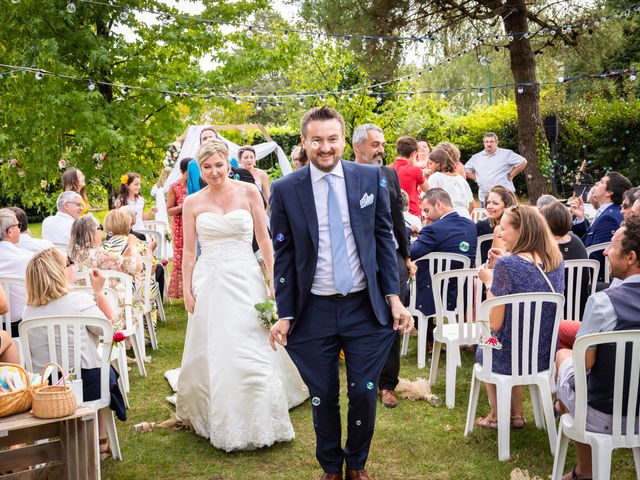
(49,281)
(247,159)
(443,175)
(129,194)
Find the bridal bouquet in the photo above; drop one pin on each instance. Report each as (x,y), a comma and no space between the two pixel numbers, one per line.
(267,312)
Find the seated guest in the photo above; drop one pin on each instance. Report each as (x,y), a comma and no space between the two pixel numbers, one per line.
(611,310)
(531,262)
(498,199)
(57,228)
(629,198)
(8,350)
(545,200)
(13,261)
(412,222)
(607,193)
(26,240)
(448,232)
(50,278)
(443,175)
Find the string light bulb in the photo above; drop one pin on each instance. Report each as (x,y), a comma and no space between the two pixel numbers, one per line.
(71,7)
(39,75)
(124,15)
(91,86)
(520,89)
(209,28)
(258,107)
(238,101)
(167,97)
(633,77)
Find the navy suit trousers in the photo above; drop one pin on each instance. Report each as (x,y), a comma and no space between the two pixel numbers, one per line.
(330,325)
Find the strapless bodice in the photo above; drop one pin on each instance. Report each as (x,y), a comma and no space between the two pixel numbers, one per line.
(225,236)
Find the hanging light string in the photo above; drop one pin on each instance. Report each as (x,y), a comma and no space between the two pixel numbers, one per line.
(429,37)
(276,99)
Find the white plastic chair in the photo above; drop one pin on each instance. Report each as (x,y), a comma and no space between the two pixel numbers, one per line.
(70,328)
(460,327)
(148,303)
(481,240)
(478,214)
(7,281)
(159,255)
(624,414)
(574,274)
(601,247)
(538,380)
(130,330)
(438,262)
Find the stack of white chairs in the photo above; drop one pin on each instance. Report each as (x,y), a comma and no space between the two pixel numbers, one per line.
(69,330)
(538,381)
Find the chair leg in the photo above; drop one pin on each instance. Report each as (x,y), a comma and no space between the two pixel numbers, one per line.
(160,306)
(536,406)
(138,355)
(601,460)
(503,404)
(152,331)
(404,349)
(562,445)
(452,368)
(435,360)
(422,340)
(636,460)
(473,403)
(544,393)
(122,367)
(113,435)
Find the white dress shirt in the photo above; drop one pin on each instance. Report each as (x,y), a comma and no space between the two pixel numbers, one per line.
(13,261)
(27,242)
(323,283)
(57,228)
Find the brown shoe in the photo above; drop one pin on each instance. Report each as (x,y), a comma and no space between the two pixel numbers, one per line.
(359,474)
(331,476)
(388,398)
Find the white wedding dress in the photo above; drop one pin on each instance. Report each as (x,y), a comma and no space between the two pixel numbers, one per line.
(233,388)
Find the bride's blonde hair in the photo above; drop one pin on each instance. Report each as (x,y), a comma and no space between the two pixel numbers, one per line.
(213,147)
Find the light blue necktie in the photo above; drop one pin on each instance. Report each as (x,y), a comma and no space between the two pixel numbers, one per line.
(342,276)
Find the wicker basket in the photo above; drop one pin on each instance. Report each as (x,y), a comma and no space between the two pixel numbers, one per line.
(17,401)
(54,401)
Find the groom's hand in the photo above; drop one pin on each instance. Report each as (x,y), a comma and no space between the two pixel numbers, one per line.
(278,333)
(402,319)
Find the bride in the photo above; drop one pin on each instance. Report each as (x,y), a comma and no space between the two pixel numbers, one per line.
(232,387)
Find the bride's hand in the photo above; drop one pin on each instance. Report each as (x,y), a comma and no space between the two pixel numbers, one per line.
(278,333)
(189,302)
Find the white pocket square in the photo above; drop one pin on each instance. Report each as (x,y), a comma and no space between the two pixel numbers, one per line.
(366,200)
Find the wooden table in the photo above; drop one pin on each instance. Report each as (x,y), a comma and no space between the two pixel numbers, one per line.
(67,446)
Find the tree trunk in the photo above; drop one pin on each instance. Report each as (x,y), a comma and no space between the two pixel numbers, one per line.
(530,128)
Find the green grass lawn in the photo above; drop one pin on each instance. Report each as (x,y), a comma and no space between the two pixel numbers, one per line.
(413,441)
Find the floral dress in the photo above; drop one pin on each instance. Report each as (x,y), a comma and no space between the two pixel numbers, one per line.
(175,285)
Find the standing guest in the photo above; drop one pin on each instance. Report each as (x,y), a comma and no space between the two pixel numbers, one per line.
(49,279)
(630,197)
(73,181)
(423,153)
(494,166)
(613,309)
(496,202)
(337,286)
(129,194)
(447,232)
(57,228)
(157,192)
(531,262)
(444,176)
(175,199)
(607,192)
(409,174)
(298,157)
(26,240)
(368,146)
(247,157)
(13,261)
(454,153)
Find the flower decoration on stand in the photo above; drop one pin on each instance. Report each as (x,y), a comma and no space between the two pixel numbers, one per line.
(172,154)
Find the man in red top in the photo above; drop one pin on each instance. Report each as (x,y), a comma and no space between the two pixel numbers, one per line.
(409,174)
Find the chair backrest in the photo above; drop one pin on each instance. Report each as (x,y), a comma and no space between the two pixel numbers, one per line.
(600,247)
(478,214)
(126,281)
(6,281)
(468,297)
(69,334)
(526,318)
(481,240)
(157,225)
(622,340)
(442,262)
(578,276)
(160,250)
(110,293)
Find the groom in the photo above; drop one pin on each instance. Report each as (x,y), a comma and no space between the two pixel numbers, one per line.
(336,281)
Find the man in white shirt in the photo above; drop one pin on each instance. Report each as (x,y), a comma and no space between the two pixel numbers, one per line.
(13,261)
(57,228)
(26,241)
(494,166)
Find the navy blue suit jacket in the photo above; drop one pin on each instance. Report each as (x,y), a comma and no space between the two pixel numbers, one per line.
(294,225)
(450,234)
